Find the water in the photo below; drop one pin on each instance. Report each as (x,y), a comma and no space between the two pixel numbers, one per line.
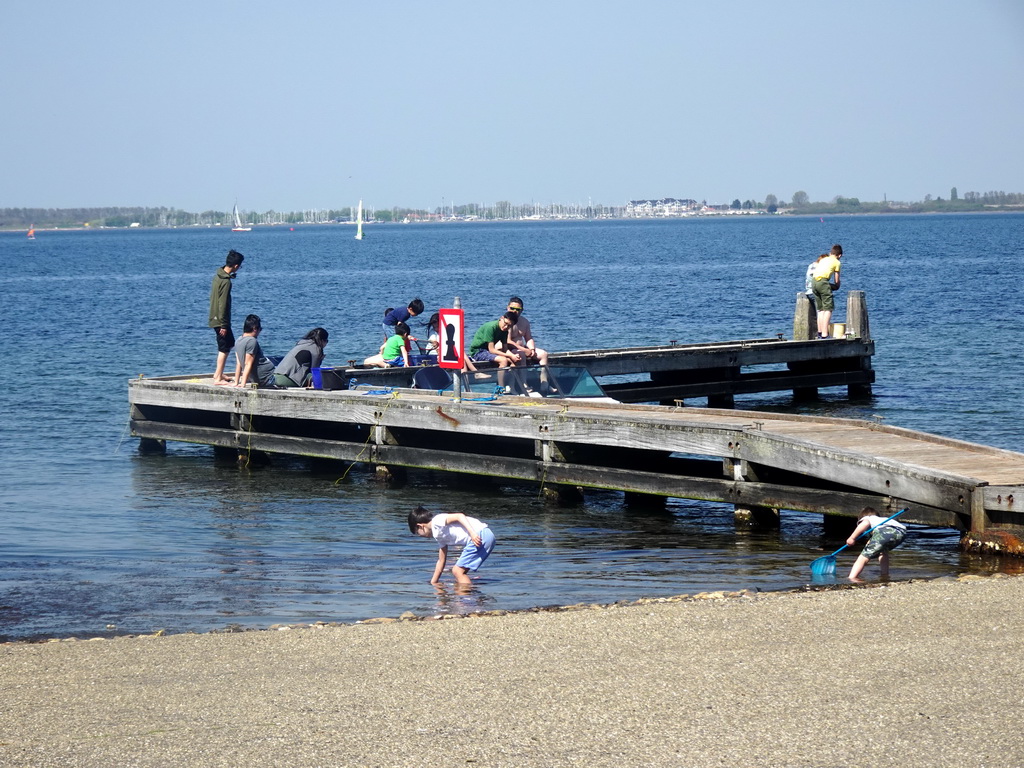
(97,539)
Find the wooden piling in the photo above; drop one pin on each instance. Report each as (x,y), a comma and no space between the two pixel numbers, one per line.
(857,316)
(756,516)
(805,319)
(857,325)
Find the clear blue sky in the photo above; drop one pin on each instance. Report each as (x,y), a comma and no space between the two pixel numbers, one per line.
(194,104)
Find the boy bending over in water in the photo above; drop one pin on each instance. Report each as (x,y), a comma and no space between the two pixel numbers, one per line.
(475,537)
(883,539)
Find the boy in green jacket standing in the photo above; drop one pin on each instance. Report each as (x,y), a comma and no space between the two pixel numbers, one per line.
(220,312)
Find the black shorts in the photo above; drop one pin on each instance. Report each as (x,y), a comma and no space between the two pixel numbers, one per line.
(225,342)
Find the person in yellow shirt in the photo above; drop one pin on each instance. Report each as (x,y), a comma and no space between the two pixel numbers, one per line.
(822,287)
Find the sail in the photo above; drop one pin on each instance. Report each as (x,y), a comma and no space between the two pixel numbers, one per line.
(359,222)
(238,222)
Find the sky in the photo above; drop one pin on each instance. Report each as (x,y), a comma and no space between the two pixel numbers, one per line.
(291,106)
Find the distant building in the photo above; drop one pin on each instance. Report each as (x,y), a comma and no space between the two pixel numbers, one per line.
(666,206)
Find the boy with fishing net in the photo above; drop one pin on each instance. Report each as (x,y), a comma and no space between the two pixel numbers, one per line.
(886,535)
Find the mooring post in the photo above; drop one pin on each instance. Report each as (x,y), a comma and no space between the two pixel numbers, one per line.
(857,316)
(805,319)
(857,325)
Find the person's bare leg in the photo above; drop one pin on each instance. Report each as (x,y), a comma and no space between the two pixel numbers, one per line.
(460,574)
(858,566)
(824,318)
(218,375)
(883,564)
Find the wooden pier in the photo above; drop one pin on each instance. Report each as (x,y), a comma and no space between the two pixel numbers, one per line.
(718,371)
(759,462)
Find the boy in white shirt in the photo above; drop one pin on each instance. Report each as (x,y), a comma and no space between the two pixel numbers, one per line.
(474,536)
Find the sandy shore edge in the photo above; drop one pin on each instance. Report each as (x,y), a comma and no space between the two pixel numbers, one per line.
(921,673)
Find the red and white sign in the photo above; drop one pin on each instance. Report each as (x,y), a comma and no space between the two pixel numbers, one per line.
(451,352)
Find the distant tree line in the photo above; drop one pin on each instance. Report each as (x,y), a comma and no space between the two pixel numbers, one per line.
(56,218)
(971,201)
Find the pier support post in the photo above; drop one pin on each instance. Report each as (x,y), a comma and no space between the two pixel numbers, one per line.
(748,515)
(251,458)
(805,319)
(756,516)
(385,473)
(224,453)
(563,495)
(805,328)
(648,501)
(149,446)
(836,526)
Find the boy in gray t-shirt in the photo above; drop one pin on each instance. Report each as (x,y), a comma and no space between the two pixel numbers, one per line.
(250,364)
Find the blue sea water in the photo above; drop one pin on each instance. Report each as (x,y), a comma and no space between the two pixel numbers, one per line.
(96,539)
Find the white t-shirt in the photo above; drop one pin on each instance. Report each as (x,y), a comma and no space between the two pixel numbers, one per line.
(453,534)
(875,520)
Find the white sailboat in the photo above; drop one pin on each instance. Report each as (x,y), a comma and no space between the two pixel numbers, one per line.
(359,222)
(238,223)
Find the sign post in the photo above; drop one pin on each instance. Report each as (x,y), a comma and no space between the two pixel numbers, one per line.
(451,352)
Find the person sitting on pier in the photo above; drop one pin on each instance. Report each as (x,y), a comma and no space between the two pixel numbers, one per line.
(490,343)
(394,353)
(394,316)
(888,535)
(295,369)
(521,338)
(433,335)
(823,288)
(251,367)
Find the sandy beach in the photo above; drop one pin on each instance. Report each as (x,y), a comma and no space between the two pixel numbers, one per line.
(919,674)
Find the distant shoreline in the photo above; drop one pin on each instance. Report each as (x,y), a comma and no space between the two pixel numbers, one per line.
(534,220)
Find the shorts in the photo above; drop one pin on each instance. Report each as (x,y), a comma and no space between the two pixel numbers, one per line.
(396,362)
(226,342)
(823,295)
(484,356)
(472,556)
(883,539)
